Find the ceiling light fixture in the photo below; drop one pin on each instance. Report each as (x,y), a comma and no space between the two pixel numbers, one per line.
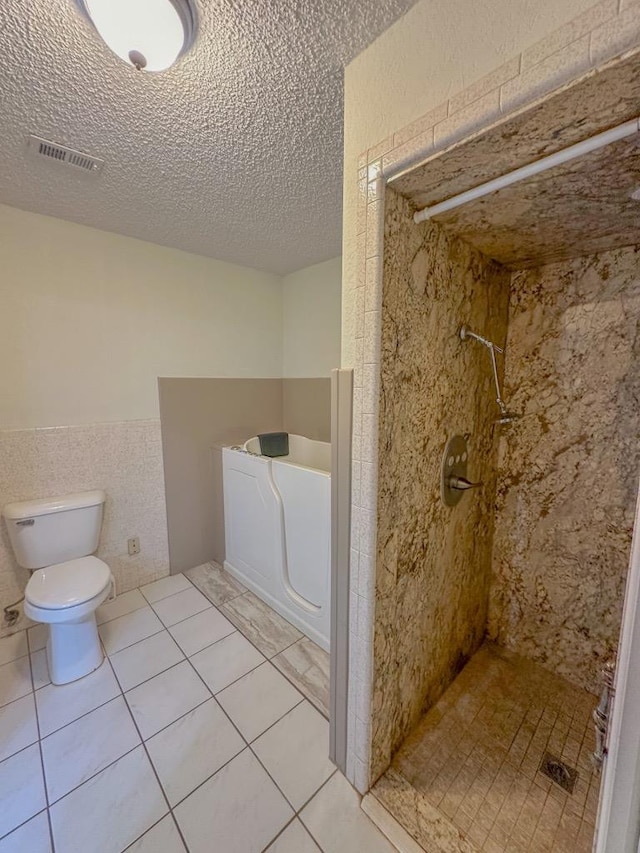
(148,34)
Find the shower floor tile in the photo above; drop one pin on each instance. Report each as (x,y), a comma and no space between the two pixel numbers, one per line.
(471,769)
(156,749)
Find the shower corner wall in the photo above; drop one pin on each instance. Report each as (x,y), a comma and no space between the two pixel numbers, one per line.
(568,470)
(433,563)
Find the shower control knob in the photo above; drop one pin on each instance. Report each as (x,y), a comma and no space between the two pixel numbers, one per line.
(462,484)
(453,471)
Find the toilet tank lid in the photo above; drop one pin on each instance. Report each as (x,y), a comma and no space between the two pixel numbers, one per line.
(31,509)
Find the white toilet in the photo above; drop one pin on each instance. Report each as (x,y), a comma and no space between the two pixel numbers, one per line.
(57,537)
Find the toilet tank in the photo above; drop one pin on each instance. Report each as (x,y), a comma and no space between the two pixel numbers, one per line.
(54,530)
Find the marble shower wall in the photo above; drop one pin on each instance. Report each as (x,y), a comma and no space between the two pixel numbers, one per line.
(433,562)
(124,459)
(569,468)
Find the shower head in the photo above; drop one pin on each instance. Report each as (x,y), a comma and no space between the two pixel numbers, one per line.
(507,418)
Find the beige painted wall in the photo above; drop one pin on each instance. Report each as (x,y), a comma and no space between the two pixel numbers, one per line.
(434,51)
(89,320)
(311,307)
(199,417)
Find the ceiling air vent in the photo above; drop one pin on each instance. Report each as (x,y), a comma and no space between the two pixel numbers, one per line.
(45,149)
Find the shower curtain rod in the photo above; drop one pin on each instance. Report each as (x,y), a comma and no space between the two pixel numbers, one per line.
(563,156)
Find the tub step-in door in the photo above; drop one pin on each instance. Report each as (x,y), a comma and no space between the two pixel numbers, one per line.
(306,502)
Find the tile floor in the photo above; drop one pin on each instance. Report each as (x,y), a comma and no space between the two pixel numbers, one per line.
(468,778)
(193,735)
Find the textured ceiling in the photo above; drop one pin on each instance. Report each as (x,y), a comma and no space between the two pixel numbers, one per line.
(235,153)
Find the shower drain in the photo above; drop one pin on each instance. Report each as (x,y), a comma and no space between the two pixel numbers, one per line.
(559,772)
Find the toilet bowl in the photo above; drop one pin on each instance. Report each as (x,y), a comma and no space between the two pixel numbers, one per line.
(55,539)
(65,597)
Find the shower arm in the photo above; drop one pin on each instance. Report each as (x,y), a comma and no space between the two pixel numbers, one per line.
(465,333)
(501,404)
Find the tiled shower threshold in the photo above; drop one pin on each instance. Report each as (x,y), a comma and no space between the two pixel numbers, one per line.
(468,778)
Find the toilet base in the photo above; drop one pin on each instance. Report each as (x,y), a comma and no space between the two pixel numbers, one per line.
(73,649)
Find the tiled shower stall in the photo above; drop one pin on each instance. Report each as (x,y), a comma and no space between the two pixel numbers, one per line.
(536,561)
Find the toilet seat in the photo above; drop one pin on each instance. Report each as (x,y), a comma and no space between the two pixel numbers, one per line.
(67,585)
(67,592)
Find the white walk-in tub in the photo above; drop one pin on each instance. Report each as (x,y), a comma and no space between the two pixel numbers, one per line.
(277,522)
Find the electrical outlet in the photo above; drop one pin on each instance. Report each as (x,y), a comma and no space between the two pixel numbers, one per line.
(133,545)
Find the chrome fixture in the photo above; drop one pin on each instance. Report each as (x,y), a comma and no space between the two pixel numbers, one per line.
(602,714)
(506,417)
(453,481)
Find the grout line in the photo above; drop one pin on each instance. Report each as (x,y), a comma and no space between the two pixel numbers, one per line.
(153,826)
(296,811)
(44,775)
(123,694)
(24,822)
(152,765)
(93,775)
(180,621)
(204,648)
(162,628)
(146,602)
(275,722)
(236,680)
(284,828)
(247,745)
(51,684)
(324,784)
(129,689)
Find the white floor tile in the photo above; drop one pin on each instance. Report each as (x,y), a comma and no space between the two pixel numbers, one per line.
(295,752)
(145,659)
(80,750)
(165,587)
(15,680)
(38,636)
(258,699)
(201,630)
(192,749)
(239,807)
(334,818)
(40,669)
(128,602)
(162,838)
(14,646)
(180,606)
(226,661)
(164,698)
(18,726)
(21,788)
(129,629)
(31,837)
(111,810)
(295,839)
(61,704)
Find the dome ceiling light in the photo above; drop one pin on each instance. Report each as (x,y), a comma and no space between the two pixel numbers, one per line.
(148,34)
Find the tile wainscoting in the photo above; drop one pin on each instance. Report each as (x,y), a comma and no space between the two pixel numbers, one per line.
(124,459)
